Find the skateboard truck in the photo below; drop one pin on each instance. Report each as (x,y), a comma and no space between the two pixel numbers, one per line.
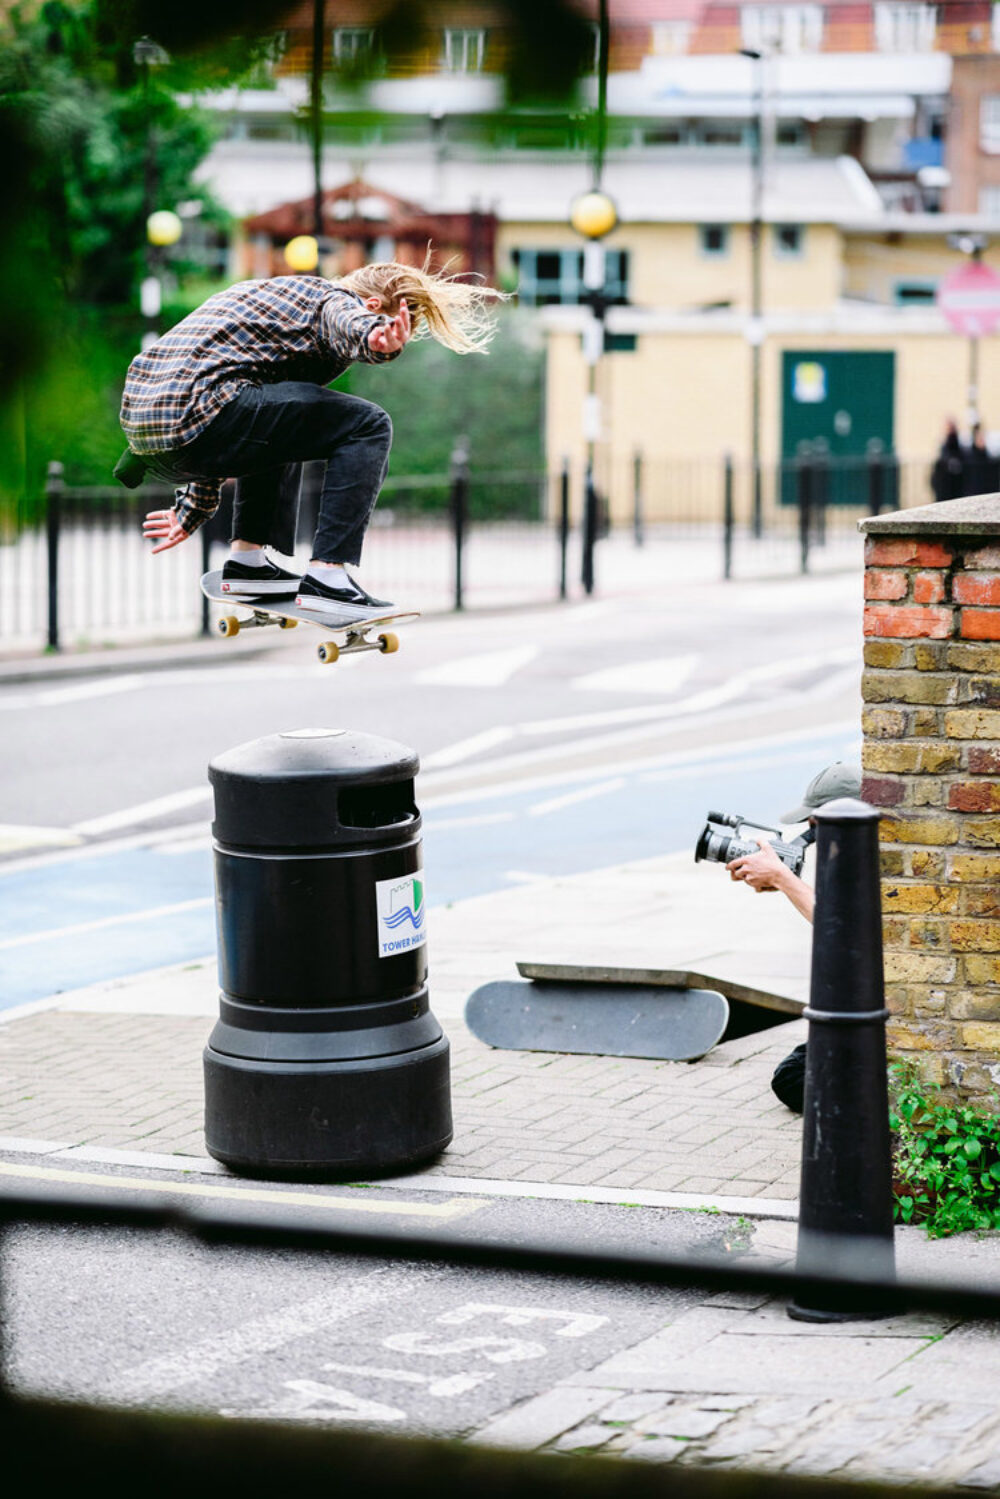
(328,651)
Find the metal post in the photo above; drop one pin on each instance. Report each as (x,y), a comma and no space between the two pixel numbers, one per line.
(637,526)
(54,490)
(727,518)
(805,476)
(206,563)
(589,530)
(563,526)
(316,111)
(845,1200)
(459,512)
(876,475)
(755,331)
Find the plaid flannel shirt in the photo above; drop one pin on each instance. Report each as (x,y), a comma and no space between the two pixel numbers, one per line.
(254,333)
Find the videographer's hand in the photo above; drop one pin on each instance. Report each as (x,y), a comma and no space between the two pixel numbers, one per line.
(763,871)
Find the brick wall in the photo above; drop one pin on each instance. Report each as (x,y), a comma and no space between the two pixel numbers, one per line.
(931,758)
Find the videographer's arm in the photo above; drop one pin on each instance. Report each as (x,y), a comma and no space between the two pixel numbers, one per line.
(765,871)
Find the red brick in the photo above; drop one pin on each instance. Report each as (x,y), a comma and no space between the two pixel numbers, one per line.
(899,551)
(979,624)
(882,584)
(984,762)
(976,588)
(882,791)
(894,621)
(974,796)
(928,588)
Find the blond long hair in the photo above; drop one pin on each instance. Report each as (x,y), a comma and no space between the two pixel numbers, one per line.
(455,312)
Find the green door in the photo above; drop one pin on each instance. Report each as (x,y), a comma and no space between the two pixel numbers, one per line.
(841,402)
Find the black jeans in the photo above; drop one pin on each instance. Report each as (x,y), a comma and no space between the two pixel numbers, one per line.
(262,437)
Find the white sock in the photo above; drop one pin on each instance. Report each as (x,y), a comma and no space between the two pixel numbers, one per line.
(333,574)
(254,558)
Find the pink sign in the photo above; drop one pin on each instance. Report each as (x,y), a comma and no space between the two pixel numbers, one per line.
(970,299)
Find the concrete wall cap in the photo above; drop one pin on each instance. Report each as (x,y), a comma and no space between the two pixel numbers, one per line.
(975,515)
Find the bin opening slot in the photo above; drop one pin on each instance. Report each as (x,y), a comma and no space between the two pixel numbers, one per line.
(377,806)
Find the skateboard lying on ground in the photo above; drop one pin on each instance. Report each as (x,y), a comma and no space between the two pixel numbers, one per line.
(352,634)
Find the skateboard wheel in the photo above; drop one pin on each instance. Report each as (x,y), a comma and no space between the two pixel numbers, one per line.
(287,624)
(328,652)
(388,643)
(228,625)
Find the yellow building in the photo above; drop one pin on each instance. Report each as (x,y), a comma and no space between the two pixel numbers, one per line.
(854,351)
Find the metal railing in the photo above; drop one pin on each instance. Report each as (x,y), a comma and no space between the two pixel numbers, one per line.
(79,574)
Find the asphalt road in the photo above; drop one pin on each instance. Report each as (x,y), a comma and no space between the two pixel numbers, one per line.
(551,743)
(131,1319)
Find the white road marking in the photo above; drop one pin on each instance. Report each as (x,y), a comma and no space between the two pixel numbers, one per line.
(496,1350)
(662,677)
(466,749)
(312,1401)
(575,1324)
(15,835)
(154,913)
(161,806)
(210,1356)
(451,1384)
(490,670)
(583,794)
(444,824)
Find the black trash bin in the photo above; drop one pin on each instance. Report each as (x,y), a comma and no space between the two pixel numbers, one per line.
(326,1060)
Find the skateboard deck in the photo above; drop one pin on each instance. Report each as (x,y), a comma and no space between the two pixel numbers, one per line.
(609,1020)
(345,637)
(751,1009)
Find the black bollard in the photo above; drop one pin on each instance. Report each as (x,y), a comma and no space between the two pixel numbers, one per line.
(326,1060)
(845,1200)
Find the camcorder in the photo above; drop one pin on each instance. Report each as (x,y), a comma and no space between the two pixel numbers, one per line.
(719,846)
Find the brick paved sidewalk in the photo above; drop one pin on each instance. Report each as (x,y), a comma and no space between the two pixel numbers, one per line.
(119,1066)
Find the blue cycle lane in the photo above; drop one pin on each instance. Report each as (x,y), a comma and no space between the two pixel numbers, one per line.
(83,918)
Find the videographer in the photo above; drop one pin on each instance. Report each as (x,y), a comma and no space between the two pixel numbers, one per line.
(765,871)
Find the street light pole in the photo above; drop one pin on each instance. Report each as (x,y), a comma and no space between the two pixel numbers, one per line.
(316,113)
(755,330)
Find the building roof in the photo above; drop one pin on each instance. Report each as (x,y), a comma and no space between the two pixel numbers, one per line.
(540,190)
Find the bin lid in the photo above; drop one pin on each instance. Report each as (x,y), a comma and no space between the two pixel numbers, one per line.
(285,790)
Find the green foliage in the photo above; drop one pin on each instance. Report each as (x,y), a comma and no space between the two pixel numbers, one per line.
(111,141)
(434,397)
(947,1159)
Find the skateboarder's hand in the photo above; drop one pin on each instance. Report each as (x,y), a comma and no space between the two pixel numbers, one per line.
(389,337)
(164,523)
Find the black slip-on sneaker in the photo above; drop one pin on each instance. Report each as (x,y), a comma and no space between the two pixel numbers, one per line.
(345,603)
(269,581)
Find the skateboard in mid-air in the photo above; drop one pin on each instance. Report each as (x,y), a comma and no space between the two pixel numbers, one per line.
(344,637)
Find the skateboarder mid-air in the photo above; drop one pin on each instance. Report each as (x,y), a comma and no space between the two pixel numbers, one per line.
(238,391)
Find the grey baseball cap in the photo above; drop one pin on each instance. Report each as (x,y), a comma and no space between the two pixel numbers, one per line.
(843,778)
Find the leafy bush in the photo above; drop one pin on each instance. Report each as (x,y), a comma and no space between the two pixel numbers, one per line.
(946,1158)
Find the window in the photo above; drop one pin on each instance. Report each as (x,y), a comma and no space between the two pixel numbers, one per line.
(995,28)
(714,239)
(723,134)
(989,201)
(789,241)
(989,123)
(555,277)
(914,293)
(905,28)
(464,49)
(351,43)
(782,28)
(664,135)
(670,38)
